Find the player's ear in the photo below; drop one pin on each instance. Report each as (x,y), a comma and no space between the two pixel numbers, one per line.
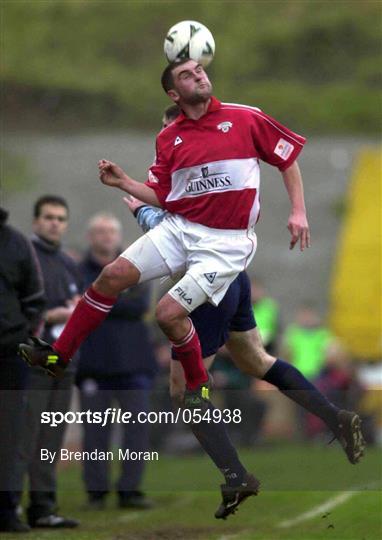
(173,94)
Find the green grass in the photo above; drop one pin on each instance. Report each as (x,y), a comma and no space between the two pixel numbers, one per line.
(295,479)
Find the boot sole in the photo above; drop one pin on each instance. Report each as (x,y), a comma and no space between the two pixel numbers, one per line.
(358,442)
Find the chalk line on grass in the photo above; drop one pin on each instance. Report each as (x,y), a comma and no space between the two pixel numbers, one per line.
(318,510)
(329,504)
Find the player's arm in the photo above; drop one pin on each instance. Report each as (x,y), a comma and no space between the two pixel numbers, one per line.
(148,217)
(297,223)
(112,175)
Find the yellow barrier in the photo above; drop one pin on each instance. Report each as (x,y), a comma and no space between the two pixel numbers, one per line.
(355,311)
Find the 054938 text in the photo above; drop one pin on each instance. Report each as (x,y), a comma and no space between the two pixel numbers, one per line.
(117,416)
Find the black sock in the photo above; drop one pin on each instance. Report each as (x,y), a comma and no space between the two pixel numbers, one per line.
(291,382)
(214,439)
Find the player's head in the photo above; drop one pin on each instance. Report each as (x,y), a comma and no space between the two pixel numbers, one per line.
(186,82)
(104,233)
(170,114)
(51,214)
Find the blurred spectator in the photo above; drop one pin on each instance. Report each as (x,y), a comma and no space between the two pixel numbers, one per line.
(267,315)
(238,394)
(338,381)
(62,286)
(117,362)
(306,341)
(22,302)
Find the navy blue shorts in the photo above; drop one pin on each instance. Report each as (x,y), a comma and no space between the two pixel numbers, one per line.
(234,313)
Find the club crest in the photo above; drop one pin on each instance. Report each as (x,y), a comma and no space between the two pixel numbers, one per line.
(225,126)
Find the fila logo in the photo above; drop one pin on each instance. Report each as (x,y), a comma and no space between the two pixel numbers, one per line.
(210,276)
(225,126)
(183,295)
(178,140)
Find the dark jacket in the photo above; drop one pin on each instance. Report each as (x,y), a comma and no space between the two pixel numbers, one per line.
(122,343)
(21,291)
(61,279)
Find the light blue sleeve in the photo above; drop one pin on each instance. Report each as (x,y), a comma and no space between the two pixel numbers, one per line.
(149,217)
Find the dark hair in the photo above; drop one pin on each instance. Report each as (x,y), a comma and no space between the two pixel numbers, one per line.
(56,200)
(167,79)
(172,112)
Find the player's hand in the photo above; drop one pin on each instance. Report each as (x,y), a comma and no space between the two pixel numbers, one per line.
(299,229)
(133,203)
(110,174)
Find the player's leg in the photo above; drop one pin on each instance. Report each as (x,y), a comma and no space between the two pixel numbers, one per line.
(204,250)
(95,305)
(212,325)
(212,435)
(140,262)
(173,311)
(174,321)
(248,353)
(250,357)
(172,314)
(214,439)
(178,380)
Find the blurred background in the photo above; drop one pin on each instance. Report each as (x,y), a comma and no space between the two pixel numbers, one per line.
(80,81)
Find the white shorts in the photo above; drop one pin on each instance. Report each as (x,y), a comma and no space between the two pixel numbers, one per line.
(210,258)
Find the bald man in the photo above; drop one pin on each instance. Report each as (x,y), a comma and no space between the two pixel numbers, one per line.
(116,368)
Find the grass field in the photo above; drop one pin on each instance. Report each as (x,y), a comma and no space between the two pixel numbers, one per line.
(308,493)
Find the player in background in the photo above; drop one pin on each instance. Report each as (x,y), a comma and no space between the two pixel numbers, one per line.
(206,173)
(232,323)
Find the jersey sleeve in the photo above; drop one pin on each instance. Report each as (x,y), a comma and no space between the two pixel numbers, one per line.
(275,143)
(159,177)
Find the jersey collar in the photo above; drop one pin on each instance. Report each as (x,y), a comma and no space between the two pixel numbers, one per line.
(214,105)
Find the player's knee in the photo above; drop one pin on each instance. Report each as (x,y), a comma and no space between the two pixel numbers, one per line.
(252,358)
(117,276)
(110,277)
(165,316)
(262,361)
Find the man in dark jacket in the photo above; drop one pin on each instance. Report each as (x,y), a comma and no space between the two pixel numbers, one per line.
(62,286)
(21,305)
(116,363)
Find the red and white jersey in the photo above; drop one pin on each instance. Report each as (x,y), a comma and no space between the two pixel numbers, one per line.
(207,170)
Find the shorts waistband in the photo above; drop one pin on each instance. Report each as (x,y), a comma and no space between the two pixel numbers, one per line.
(210,230)
(189,226)
(230,232)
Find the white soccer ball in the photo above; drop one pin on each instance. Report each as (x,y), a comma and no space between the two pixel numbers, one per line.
(189,39)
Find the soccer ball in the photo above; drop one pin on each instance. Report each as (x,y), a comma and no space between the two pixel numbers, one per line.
(189,39)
